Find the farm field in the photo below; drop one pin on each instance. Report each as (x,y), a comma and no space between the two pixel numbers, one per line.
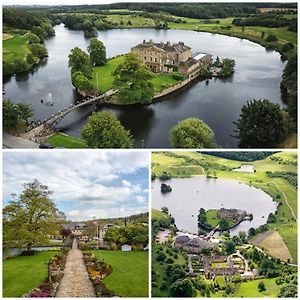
(129,277)
(23,273)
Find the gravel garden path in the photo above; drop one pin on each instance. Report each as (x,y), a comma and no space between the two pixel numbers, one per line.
(76,282)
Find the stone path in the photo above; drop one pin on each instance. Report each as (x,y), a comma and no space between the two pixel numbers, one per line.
(14,142)
(76,282)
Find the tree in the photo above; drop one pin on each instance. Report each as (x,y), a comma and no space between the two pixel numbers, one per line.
(160,256)
(81,82)
(271,218)
(251,232)
(229,247)
(97,52)
(224,224)
(288,291)
(49,29)
(261,287)
(182,288)
(260,125)
(14,113)
(38,50)
(65,232)
(31,217)
(104,130)
(79,61)
(32,38)
(192,133)
(271,38)
(132,80)
(40,32)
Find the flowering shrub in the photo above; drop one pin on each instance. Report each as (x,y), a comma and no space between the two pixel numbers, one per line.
(49,287)
(97,271)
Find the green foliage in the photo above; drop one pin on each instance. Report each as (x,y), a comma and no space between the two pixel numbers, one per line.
(261,287)
(81,82)
(271,38)
(132,80)
(251,232)
(40,32)
(133,234)
(30,218)
(205,73)
(253,125)
(13,113)
(202,218)
(227,68)
(79,61)
(177,76)
(38,50)
(229,247)
(104,130)
(241,155)
(97,52)
(271,218)
(290,177)
(32,38)
(288,291)
(224,224)
(160,256)
(182,288)
(192,133)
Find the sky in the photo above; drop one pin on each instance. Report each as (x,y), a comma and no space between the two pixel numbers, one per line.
(85,184)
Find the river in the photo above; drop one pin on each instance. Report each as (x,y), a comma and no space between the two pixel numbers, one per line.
(218,103)
(190,194)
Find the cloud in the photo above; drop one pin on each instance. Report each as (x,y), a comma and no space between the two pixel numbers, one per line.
(82,179)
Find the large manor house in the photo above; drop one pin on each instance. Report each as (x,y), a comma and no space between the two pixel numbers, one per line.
(167,57)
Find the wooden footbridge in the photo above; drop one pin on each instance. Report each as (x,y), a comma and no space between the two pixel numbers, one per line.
(45,127)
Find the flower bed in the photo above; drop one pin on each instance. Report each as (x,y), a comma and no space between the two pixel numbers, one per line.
(97,271)
(49,287)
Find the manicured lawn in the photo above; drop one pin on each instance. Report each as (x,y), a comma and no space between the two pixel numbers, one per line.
(158,215)
(212,219)
(15,48)
(105,77)
(249,289)
(161,81)
(62,140)
(23,273)
(129,277)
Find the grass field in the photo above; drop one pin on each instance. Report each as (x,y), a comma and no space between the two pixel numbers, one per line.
(175,166)
(137,21)
(23,273)
(250,289)
(129,277)
(15,48)
(251,32)
(65,141)
(158,215)
(273,245)
(102,77)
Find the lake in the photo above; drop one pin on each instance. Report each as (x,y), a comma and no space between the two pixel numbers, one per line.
(218,103)
(191,194)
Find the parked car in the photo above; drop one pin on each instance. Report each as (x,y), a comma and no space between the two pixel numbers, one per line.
(46,146)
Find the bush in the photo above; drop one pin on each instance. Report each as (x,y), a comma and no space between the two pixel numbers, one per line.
(177,76)
(27,253)
(271,38)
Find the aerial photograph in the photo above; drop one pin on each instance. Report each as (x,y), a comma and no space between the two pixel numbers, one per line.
(75,230)
(150,75)
(224,224)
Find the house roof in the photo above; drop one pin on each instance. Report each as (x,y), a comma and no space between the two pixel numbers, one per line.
(180,47)
(73,225)
(199,243)
(182,239)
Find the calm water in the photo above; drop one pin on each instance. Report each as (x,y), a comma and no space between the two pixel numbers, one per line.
(189,195)
(258,75)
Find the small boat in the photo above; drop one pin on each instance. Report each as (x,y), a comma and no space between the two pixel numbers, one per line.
(49,100)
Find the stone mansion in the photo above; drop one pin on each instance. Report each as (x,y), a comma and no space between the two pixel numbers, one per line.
(166,57)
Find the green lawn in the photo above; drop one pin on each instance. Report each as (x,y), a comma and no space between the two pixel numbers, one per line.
(62,140)
(15,48)
(137,21)
(102,77)
(23,273)
(129,277)
(249,289)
